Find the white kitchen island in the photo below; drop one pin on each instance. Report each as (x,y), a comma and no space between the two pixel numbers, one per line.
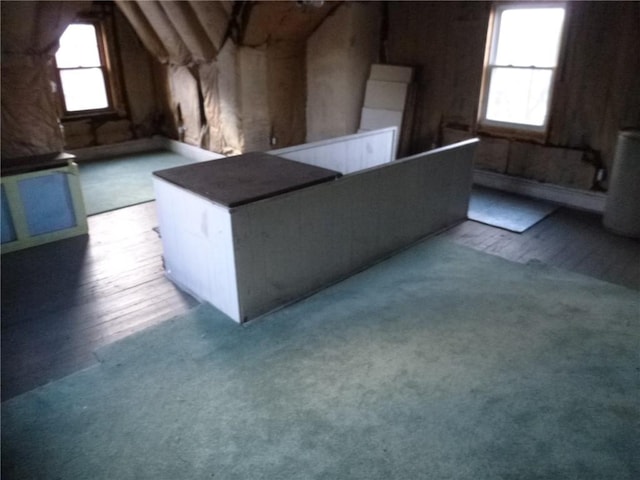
(197,208)
(250,254)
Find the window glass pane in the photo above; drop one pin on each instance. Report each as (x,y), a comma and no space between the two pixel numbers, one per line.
(78,47)
(84,89)
(47,203)
(7,229)
(529,37)
(518,95)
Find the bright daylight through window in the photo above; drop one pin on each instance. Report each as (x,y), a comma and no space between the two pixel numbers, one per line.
(522,58)
(81,69)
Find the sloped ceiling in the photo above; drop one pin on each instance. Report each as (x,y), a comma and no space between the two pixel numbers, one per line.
(192,32)
(179,32)
(176,32)
(33,28)
(289,20)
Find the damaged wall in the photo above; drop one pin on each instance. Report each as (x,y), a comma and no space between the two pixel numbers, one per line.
(226,76)
(291,72)
(597,93)
(30,119)
(30,123)
(227,129)
(599,89)
(202,103)
(236,71)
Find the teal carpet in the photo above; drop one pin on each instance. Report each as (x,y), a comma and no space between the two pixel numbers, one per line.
(440,363)
(123,181)
(505,210)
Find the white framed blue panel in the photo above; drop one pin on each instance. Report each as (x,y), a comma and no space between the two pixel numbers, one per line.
(47,202)
(8,231)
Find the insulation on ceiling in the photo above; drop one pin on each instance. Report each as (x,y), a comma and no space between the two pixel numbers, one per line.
(179,32)
(191,32)
(236,69)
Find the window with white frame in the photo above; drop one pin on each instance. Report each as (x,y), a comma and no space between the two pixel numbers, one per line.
(522,54)
(83,71)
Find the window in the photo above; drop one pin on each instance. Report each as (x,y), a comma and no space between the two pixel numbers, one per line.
(82,70)
(521,60)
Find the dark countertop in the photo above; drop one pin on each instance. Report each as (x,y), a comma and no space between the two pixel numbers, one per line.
(34,163)
(246,178)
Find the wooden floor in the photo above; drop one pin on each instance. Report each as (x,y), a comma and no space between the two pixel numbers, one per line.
(568,239)
(63,301)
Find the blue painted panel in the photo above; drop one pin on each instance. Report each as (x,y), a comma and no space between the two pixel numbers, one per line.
(47,203)
(7,232)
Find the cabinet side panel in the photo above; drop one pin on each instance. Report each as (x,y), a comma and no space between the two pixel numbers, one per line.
(197,246)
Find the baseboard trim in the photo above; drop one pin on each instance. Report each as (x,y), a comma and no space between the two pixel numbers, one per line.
(107,151)
(156,142)
(570,197)
(186,150)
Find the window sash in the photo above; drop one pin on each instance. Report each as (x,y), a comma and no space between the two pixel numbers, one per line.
(76,100)
(528,57)
(85,55)
(518,97)
(67,101)
(486,109)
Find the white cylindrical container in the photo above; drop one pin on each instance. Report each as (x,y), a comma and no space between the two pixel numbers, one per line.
(622,209)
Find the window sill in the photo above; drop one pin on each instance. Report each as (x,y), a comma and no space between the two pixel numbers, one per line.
(512,133)
(92,115)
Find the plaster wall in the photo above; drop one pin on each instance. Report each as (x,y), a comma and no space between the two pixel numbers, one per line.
(141,92)
(286,77)
(339,55)
(185,103)
(254,98)
(229,118)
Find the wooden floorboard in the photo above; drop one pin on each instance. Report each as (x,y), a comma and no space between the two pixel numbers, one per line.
(567,239)
(63,301)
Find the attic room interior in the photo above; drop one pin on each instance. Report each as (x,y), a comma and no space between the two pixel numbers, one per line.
(320,239)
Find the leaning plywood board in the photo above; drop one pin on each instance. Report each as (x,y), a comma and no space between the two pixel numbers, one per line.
(391,73)
(386,95)
(373,119)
